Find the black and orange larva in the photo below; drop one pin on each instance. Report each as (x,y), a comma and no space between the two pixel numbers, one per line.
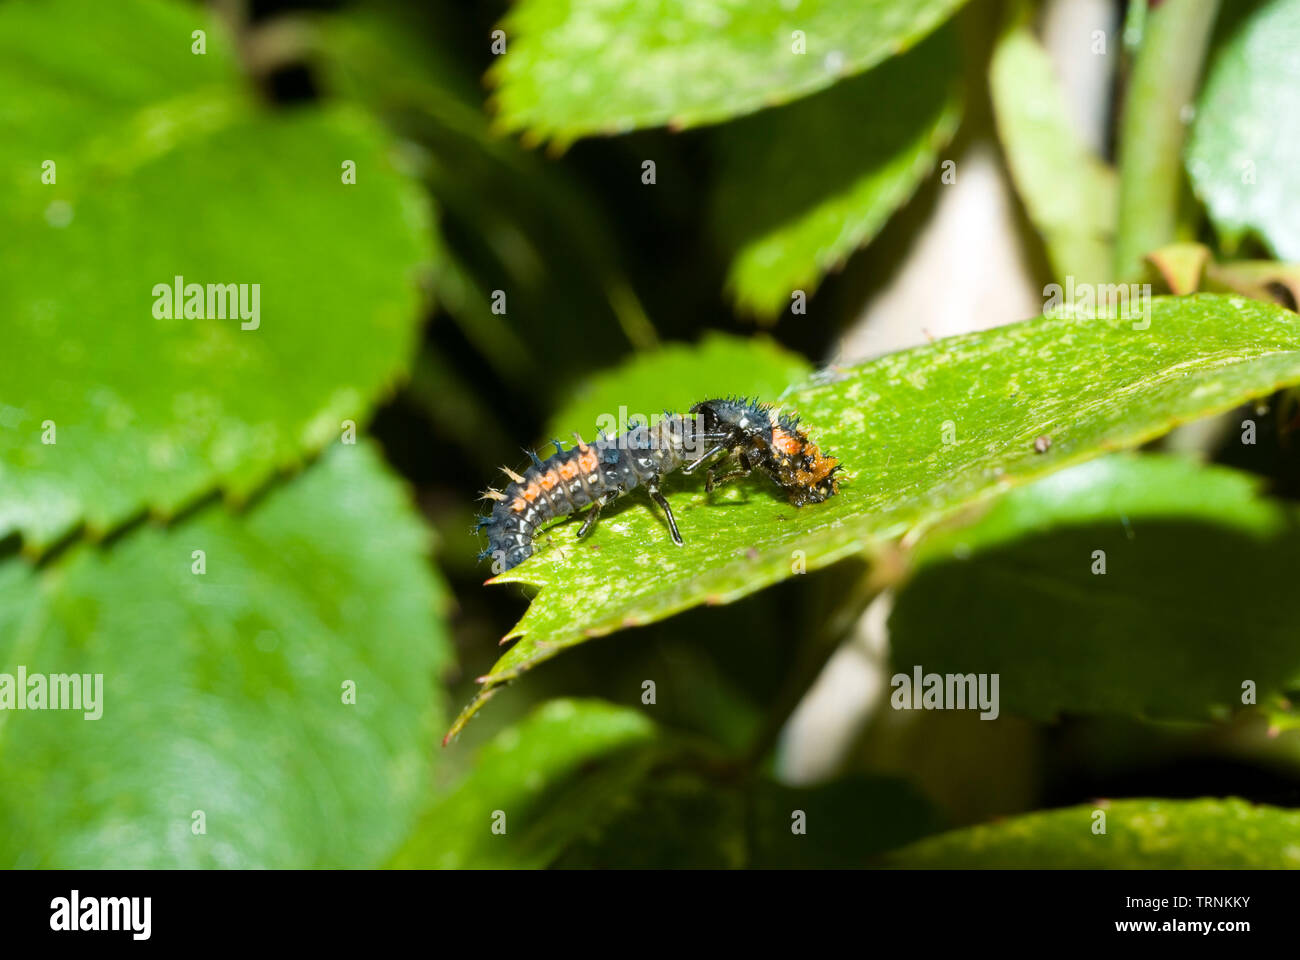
(602,471)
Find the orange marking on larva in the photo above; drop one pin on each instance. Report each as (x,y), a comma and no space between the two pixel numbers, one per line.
(568,470)
(531,492)
(820,467)
(548,480)
(519,505)
(588,461)
(785,443)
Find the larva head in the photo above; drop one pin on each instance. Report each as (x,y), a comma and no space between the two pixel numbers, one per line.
(814,480)
(807,474)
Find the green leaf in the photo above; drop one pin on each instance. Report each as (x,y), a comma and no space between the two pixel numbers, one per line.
(161,161)
(803,186)
(1140,834)
(1068,192)
(1192,555)
(528,773)
(571,70)
(225,692)
(1090,385)
(582,783)
(1243,154)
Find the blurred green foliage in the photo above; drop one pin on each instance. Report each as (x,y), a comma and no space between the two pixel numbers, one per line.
(1093,556)
(592,785)
(1244,152)
(820,203)
(226,691)
(186,511)
(1068,192)
(165,167)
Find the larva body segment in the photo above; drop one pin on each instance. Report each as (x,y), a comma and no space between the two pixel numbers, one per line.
(585,474)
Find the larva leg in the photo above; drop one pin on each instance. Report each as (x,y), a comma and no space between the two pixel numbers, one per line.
(653,489)
(711,482)
(691,467)
(594,513)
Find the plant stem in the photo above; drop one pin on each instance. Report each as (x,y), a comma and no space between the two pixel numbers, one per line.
(1165,77)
